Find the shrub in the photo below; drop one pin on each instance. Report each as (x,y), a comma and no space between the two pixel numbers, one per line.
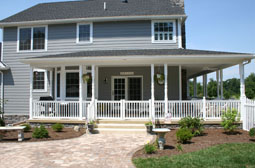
(2,123)
(194,124)
(27,127)
(57,127)
(252,132)
(40,133)
(184,135)
(229,118)
(179,147)
(150,148)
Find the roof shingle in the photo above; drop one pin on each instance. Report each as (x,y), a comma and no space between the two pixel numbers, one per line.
(95,8)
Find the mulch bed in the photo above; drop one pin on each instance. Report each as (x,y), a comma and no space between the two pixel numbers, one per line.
(66,133)
(211,137)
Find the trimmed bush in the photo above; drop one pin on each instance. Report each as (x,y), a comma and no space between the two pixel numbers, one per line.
(194,124)
(229,119)
(184,135)
(40,133)
(57,127)
(150,148)
(27,127)
(252,132)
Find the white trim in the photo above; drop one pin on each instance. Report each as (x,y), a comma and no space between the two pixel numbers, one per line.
(45,81)
(97,84)
(94,19)
(32,36)
(80,90)
(2,51)
(221,84)
(166,88)
(163,41)
(179,34)
(78,31)
(126,85)
(93,82)
(51,82)
(180,82)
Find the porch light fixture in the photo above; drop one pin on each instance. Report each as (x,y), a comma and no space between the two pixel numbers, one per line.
(105,80)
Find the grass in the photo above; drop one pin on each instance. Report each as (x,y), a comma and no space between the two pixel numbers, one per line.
(237,155)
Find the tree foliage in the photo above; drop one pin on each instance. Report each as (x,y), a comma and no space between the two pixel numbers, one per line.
(231,88)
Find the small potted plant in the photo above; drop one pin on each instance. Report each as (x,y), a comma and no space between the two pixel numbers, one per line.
(149,126)
(91,125)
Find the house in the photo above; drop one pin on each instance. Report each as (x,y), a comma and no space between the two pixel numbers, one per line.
(107,59)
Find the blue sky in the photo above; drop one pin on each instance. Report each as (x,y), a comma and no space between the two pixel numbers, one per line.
(224,25)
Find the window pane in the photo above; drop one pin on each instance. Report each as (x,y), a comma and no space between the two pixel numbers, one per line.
(39,38)
(72,84)
(25,39)
(58,85)
(89,88)
(84,33)
(163,31)
(38,82)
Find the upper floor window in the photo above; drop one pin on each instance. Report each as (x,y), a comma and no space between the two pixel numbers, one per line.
(163,32)
(40,80)
(33,38)
(84,33)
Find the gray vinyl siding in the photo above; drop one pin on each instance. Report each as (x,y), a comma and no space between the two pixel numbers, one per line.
(108,72)
(62,39)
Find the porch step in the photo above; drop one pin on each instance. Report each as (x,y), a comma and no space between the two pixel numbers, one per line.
(120,127)
(122,121)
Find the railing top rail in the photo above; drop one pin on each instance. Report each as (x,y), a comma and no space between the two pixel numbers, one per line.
(108,101)
(37,101)
(224,101)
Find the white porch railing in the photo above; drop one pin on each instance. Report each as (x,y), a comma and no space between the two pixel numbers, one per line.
(123,109)
(58,109)
(249,114)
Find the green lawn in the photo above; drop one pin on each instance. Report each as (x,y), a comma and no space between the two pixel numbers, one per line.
(225,155)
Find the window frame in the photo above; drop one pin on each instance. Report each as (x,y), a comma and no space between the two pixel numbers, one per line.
(32,39)
(78,32)
(163,41)
(45,81)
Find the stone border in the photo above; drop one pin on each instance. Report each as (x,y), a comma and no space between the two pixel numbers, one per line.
(130,154)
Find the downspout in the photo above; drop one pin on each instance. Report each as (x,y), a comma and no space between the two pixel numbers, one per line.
(2,93)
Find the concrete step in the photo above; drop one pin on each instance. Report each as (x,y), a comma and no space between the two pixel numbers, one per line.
(121,126)
(122,121)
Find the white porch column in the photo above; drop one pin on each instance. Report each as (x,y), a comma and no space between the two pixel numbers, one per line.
(152,94)
(93,90)
(221,84)
(179,34)
(242,95)
(80,90)
(31,94)
(205,85)
(218,86)
(51,82)
(180,82)
(166,88)
(195,86)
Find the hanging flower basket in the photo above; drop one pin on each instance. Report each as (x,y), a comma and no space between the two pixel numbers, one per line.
(86,78)
(159,78)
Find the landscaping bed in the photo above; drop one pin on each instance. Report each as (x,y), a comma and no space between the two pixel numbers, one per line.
(66,133)
(210,138)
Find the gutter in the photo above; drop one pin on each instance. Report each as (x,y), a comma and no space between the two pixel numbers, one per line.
(94,19)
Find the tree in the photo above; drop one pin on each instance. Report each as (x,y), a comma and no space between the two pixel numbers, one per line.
(212,88)
(250,86)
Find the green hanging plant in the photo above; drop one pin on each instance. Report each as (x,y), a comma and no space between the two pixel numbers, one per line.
(159,78)
(86,77)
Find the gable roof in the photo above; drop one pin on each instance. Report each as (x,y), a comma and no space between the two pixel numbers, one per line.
(95,8)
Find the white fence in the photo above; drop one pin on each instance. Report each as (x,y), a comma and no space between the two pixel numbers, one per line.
(123,109)
(249,115)
(58,109)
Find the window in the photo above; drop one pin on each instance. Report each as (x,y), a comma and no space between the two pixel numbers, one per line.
(163,32)
(84,33)
(30,39)
(72,84)
(89,88)
(40,80)
(58,85)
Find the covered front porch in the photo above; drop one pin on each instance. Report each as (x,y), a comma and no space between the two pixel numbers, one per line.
(125,87)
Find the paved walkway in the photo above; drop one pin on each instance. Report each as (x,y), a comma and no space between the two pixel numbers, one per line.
(97,151)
